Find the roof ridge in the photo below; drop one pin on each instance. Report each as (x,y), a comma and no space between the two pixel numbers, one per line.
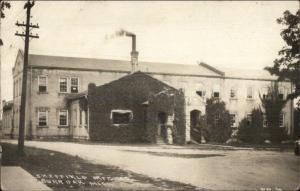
(108,59)
(212,68)
(132,75)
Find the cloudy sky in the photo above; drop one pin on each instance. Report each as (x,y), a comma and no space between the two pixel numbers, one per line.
(232,34)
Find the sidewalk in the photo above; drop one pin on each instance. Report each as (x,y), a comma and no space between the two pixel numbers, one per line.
(14,178)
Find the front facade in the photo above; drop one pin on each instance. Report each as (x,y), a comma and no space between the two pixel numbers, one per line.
(51,79)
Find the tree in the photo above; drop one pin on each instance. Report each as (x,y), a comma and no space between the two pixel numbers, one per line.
(273,104)
(3,5)
(287,65)
(252,131)
(217,127)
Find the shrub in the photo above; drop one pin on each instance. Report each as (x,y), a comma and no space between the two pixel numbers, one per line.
(252,131)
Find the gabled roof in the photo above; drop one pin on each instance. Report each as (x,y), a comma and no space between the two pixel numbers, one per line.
(247,74)
(76,63)
(127,77)
(117,65)
(137,74)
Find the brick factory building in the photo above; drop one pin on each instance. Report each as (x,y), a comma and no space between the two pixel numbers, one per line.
(134,108)
(54,79)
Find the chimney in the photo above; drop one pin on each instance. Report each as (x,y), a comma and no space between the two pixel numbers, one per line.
(134,54)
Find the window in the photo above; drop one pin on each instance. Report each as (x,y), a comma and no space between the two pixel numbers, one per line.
(121,116)
(281,120)
(63,118)
(63,85)
(216,94)
(74,85)
(42,83)
(249,92)
(233,120)
(264,96)
(217,119)
(265,92)
(200,93)
(42,118)
(232,93)
(216,91)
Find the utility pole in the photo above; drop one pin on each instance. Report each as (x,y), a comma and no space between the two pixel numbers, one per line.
(28,5)
(1,44)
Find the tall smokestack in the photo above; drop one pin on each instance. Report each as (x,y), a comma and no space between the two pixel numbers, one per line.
(134,54)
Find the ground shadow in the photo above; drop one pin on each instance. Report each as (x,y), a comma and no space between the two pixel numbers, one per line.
(59,171)
(177,155)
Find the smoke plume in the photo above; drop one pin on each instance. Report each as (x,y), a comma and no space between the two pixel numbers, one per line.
(119,33)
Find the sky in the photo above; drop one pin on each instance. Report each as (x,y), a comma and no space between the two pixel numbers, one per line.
(232,34)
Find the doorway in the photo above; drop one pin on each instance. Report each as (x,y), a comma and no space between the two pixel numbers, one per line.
(161,127)
(195,125)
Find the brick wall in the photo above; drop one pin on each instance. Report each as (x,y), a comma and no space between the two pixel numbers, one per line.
(127,93)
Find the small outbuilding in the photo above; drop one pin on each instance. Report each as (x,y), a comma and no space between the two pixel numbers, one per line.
(135,108)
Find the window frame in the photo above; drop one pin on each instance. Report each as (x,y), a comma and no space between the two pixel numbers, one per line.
(233,125)
(202,93)
(72,85)
(216,89)
(59,84)
(216,92)
(252,93)
(265,93)
(281,120)
(123,111)
(46,115)
(234,91)
(67,117)
(46,83)
(217,118)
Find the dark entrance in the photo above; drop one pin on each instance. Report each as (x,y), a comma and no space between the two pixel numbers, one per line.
(161,128)
(195,125)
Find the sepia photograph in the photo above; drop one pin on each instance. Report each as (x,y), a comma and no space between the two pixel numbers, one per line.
(149,95)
